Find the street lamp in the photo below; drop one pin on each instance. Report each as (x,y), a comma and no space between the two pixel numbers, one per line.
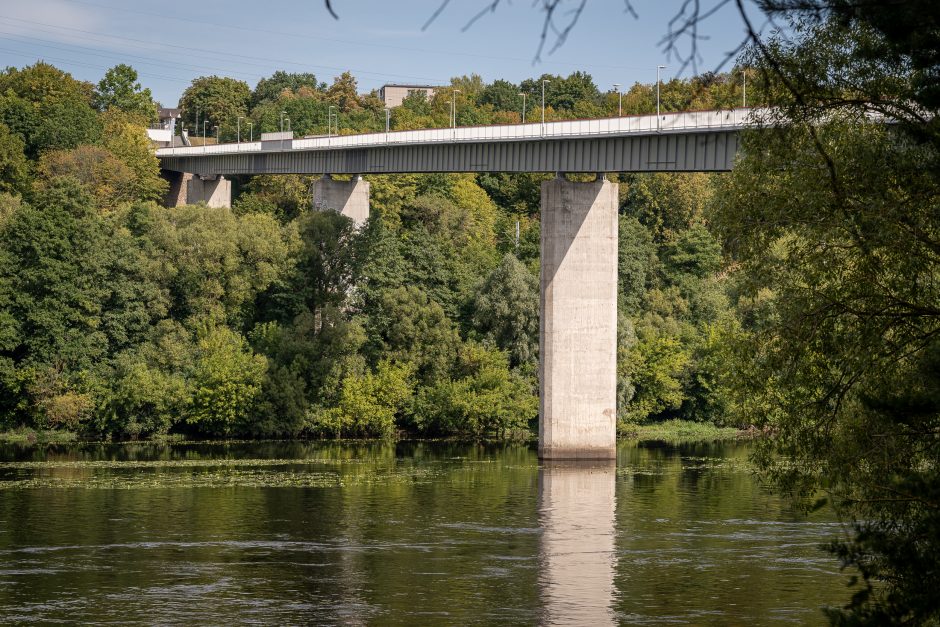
(522,93)
(238,130)
(658,68)
(388,118)
(744,87)
(453,108)
(216,135)
(204,122)
(329,121)
(619,99)
(543,103)
(283,113)
(251,132)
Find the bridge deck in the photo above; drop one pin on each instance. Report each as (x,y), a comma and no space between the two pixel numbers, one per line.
(695,141)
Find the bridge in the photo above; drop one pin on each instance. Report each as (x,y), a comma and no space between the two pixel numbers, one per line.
(579,223)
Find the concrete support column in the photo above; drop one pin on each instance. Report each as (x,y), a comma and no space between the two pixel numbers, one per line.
(350,198)
(215,191)
(179,184)
(578,323)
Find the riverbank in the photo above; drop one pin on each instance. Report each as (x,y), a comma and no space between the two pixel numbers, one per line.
(680,431)
(668,431)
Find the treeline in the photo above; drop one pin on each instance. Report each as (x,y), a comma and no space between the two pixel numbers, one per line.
(120,317)
(220,107)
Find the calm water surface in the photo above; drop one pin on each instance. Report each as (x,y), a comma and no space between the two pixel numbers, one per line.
(416,534)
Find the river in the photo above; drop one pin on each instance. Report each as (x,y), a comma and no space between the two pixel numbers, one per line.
(406,533)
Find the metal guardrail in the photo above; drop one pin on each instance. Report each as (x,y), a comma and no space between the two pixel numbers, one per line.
(644,124)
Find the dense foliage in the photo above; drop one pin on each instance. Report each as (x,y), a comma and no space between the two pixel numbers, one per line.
(122,318)
(831,218)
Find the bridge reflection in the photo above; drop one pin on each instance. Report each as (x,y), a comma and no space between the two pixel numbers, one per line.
(576,551)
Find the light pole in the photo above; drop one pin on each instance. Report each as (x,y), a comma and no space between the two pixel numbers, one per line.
(329,121)
(543,104)
(522,93)
(283,113)
(204,135)
(453,108)
(619,100)
(658,68)
(744,87)
(388,119)
(197,121)
(216,135)
(238,130)
(251,132)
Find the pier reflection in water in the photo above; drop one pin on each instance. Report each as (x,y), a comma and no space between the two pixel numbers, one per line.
(577,552)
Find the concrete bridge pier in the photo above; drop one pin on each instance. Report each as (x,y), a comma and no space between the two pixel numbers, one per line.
(350,198)
(578,323)
(191,189)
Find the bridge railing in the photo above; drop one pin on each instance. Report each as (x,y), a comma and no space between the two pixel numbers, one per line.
(641,124)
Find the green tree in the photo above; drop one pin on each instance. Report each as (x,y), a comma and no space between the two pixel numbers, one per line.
(831,219)
(369,405)
(14,169)
(484,399)
(227,379)
(119,89)
(103,175)
(218,101)
(271,88)
(407,327)
(506,312)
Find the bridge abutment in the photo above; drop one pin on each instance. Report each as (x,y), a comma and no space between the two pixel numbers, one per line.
(350,198)
(578,320)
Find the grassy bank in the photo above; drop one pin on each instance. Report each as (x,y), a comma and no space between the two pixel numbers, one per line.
(679,431)
(23,435)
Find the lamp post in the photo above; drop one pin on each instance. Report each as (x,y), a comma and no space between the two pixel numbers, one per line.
(329,121)
(388,119)
(196,130)
(204,122)
(238,130)
(216,135)
(453,108)
(251,132)
(619,100)
(744,87)
(543,104)
(658,68)
(522,93)
(283,113)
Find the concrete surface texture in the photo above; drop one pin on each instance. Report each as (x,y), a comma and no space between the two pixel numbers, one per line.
(350,198)
(578,324)
(214,191)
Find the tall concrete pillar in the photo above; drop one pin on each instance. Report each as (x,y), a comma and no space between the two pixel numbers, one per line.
(350,198)
(578,323)
(179,184)
(215,191)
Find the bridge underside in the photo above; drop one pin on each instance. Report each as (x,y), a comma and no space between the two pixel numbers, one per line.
(711,151)
(578,330)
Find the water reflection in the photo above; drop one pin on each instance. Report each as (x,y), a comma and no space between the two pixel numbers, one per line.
(577,510)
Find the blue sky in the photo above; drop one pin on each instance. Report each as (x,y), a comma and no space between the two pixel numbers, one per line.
(170,42)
